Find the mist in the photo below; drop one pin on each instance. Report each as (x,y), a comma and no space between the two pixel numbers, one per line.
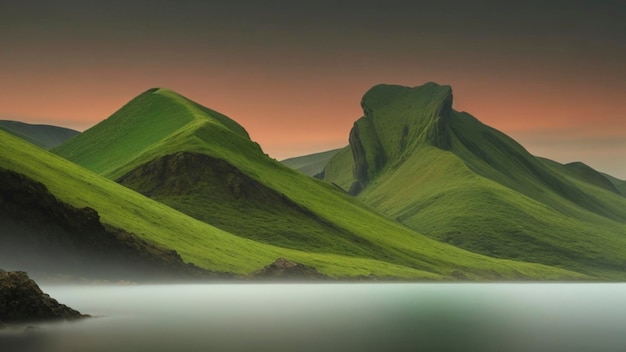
(337,317)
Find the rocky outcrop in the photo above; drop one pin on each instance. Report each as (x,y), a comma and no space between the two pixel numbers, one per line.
(284,269)
(395,119)
(438,136)
(367,152)
(21,300)
(46,236)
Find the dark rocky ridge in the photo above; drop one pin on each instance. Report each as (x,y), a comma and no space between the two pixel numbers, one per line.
(21,300)
(47,237)
(284,269)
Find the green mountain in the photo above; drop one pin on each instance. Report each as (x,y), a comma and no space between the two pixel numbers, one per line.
(620,185)
(44,136)
(311,164)
(585,174)
(164,227)
(445,174)
(201,163)
(47,237)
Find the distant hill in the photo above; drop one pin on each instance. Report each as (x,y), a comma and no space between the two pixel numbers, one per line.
(620,185)
(584,173)
(312,164)
(445,174)
(44,136)
(203,164)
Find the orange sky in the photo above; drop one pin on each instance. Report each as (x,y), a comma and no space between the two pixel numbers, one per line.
(551,77)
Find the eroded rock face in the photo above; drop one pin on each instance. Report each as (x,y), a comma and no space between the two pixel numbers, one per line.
(284,269)
(367,152)
(395,118)
(21,300)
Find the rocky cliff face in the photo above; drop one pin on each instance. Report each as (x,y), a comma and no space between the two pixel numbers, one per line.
(21,300)
(395,119)
(368,154)
(43,235)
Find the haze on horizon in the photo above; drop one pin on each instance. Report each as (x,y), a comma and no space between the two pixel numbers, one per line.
(549,74)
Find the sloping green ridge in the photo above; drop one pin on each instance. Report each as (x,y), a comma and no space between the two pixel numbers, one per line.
(217,193)
(44,136)
(311,164)
(196,241)
(229,199)
(462,182)
(496,156)
(620,185)
(583,174)
(359,233)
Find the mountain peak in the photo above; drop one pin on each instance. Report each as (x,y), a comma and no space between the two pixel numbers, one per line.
(382,95)
(155,116)
(395,120)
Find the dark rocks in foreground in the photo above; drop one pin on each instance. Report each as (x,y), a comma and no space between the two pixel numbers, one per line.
(284,269)
(21,300)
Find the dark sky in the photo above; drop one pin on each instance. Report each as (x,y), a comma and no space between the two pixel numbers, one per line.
(549,73)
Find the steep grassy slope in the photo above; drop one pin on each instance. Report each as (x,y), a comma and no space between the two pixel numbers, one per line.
(44,136)
(196,241)
(498,157)
(171,149)
(211,170)
(581,173)
(47,237)
(620,185)
(447,175)
(312,164)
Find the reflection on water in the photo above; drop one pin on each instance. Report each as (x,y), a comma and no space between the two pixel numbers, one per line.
(335,317)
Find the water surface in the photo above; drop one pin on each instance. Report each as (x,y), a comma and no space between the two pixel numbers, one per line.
(335,317)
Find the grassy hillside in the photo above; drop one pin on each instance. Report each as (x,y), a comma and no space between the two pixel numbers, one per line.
(620,185)
(196,241)
(447,175)
(498,157)
(48,237)
(580,172)
(311,164)
(209,169)
(44,136)
(146,154)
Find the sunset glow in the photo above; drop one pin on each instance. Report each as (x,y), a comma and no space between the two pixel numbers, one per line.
(550,76)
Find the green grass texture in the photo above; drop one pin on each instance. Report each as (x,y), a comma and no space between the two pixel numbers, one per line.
(329,230)
(451,177)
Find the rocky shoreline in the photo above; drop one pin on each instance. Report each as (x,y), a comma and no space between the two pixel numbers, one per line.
(22,301)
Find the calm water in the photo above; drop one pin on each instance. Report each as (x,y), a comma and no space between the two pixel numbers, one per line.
(335,317)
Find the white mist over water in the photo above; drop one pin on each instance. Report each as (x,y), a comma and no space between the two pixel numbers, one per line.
(337,317)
